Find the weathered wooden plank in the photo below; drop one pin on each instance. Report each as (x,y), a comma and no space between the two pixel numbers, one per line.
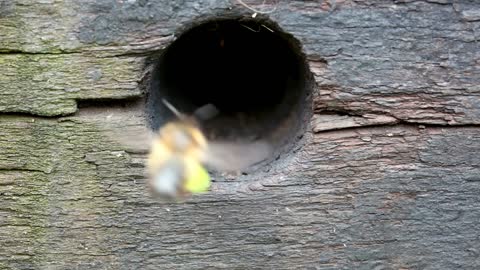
(400,197)
(368,57)
(417,67)
(50,85)
(71,26)
(397,196)
(323,122)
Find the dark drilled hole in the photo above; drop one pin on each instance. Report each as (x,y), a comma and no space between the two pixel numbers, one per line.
(251,70)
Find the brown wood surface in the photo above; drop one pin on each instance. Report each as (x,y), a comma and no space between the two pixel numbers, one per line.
(386,177)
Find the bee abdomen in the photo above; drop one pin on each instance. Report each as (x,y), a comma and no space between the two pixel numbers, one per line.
(168,179)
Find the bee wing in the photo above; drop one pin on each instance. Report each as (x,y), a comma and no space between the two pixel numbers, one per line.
(203,113)
(228,156)
(206,112)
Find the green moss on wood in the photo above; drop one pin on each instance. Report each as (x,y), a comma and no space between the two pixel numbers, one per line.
(44,176)
(49,85)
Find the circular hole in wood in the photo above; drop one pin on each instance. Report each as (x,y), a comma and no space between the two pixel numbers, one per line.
(254,73)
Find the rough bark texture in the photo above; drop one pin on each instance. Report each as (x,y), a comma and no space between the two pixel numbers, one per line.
(387,177)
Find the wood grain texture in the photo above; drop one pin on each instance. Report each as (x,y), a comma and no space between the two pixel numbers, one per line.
(393,196)
(387,177)
(417,61)
(51,85)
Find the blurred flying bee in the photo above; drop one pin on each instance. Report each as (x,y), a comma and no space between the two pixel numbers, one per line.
(174,162)
(180,151)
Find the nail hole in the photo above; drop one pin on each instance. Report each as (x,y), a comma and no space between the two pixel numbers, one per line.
(252,71)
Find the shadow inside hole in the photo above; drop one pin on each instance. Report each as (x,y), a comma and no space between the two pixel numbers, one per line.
(253,72)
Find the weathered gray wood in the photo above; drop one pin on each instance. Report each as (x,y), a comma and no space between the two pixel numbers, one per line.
(413,60)
(400,196)
(323,122)
(367,190)
(50,85)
